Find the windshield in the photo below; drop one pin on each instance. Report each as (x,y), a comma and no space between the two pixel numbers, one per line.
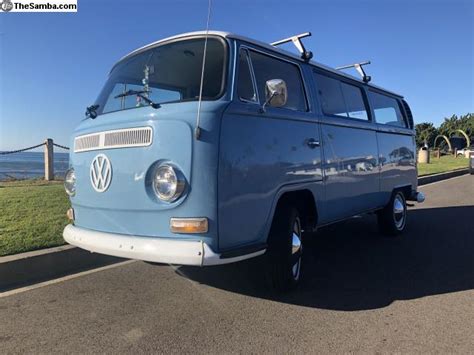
(167,73)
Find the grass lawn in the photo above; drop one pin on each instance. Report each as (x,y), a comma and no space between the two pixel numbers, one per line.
(33,215)
(445,163)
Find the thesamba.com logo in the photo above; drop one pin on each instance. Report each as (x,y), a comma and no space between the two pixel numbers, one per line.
(6,5)
(38,5)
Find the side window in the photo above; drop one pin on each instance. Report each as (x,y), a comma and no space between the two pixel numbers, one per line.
(340,99)
(330,95)
(354,101)
(267,68)
(386,110)
(245,87)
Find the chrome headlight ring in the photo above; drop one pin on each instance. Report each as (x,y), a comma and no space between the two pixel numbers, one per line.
(168,183)
(70,182)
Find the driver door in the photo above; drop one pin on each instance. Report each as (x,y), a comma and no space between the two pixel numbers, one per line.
(264,152)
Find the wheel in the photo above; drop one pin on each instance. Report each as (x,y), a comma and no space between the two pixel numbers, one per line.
(285,249)
(392,219)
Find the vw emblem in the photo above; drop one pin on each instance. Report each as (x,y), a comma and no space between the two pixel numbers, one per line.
(101,173)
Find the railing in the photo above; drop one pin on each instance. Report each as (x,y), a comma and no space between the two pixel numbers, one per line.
(48,156)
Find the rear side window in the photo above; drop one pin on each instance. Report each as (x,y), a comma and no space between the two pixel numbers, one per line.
(386,110)
(245,87)
(267,68)
(340,99)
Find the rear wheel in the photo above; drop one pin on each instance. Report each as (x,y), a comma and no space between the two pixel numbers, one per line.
(392,219)
(285,249)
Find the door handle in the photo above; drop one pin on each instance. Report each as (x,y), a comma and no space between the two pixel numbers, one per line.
(312,143)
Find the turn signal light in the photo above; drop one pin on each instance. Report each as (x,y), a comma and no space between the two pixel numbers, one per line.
(189,225)
(70,214)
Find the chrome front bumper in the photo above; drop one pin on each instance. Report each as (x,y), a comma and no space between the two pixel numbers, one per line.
(159,250)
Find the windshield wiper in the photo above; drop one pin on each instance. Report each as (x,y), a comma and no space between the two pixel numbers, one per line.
(91,111)
(141,95)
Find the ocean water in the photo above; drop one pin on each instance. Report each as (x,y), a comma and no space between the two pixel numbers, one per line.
(26,165)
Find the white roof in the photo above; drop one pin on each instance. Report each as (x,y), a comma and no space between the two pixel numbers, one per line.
(258,43)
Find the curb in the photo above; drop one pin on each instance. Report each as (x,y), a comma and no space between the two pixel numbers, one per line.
(41,265)
(428,179)
(37,266)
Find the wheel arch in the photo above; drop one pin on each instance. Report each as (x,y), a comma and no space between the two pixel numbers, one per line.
(407,190)
(303,199)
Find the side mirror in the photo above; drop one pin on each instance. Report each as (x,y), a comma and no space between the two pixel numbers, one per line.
(276,93)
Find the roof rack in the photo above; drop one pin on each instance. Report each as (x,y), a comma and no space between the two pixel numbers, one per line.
(305,55)
(359,67)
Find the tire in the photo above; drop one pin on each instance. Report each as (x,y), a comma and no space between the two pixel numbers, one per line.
(392,219)
(285,249)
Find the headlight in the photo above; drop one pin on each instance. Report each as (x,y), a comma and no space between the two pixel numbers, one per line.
(70,182)
(168,183)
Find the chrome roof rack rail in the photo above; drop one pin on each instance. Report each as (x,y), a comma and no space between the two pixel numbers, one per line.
(359,67)
(305,55)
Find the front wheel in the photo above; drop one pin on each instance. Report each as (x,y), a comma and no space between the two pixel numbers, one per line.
(285,249)
(392,219)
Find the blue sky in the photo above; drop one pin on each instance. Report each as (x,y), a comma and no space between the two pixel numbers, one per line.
(53,65)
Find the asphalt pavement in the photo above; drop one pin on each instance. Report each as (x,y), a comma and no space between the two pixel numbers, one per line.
(361,293)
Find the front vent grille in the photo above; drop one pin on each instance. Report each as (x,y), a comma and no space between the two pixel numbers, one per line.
(120,138)
(88,142)
(128,137)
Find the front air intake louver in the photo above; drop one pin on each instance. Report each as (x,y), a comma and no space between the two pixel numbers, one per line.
(120,138)
(409,114)
(127,138)
(88,142)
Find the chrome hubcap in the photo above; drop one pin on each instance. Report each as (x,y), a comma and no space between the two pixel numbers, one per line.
(399,212)
(296,249)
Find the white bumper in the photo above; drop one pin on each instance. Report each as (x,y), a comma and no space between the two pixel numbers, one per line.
(159,250)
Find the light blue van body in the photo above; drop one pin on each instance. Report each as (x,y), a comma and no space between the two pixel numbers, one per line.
(241,165)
